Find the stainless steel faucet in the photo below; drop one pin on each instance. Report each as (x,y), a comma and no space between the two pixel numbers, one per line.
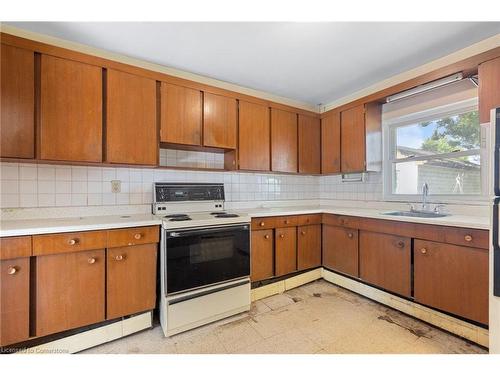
(425,193)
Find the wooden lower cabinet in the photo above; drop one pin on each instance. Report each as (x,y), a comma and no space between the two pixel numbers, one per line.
(14,300)
(385,261)
(262,255)
(340,249)
(131,279)
(69,290)
(286,250)
(308,246)
(452,278)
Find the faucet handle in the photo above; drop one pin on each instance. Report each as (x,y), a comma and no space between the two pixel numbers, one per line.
(438,207)
(411,206)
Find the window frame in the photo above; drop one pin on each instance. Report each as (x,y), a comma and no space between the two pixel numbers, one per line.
(389,144)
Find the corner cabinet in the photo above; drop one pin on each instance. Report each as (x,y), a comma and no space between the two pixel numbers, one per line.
(131,135)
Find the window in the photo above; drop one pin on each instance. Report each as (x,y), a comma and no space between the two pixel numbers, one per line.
(439,146)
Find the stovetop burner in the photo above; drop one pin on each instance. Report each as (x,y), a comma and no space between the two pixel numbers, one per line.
(175,216)
(218,213)
(223,215)
(180,218)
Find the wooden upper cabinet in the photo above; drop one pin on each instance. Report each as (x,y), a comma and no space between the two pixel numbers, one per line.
(309,145)
(220,117)
(70,110)
(452,278)
(283,141)
(17,127)
(330,143)
(254,137)
(131,126)
(353,150)
(181,115)
(489,88)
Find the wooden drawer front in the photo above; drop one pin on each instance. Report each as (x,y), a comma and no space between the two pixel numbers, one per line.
(340,249)
(263,223)
(133,236)
(452,278)
(285,221)
(309,219)
(69,291)
(467,237)
(131,280)
(14,300)
(15,247)
(341,220)
(68,242)
(385,261)
(262,255)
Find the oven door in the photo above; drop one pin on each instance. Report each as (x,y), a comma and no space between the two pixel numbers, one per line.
(205,256)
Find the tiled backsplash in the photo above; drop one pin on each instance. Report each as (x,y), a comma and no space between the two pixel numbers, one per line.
(371,189)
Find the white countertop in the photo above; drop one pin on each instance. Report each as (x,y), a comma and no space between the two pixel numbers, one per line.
(25,227)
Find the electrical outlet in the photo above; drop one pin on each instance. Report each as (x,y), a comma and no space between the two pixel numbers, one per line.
(116,186)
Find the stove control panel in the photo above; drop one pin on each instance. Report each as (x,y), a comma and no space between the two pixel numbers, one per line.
(165,192)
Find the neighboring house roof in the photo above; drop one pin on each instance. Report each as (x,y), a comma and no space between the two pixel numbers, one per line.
(444,163)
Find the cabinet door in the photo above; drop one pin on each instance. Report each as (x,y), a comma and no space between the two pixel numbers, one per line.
(452,278)
(283,141)
(308,246)
(17,130)
(352,145)
(131,128)
(14,300)
(220,116)
(70,110)
(340,249)
(69,291)
(330,143)
(180,115)
(131,280)
(489,88)
(309,145)
(254,137)
(385,261)
(286,250)
(262,255)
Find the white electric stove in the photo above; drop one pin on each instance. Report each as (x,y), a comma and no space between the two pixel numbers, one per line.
(205,256)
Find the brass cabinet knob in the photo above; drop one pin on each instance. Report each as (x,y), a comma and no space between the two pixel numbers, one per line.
(266,236)
(73,241)
(303,233)
(286,221)
(350,235)
(137,236)
(468,238)
(423,250)
(401,244)
(12,270)
(261,223)
(91,260)
(119,257)
(282,236)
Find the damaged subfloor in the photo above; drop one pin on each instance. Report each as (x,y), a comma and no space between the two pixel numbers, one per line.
(315,318)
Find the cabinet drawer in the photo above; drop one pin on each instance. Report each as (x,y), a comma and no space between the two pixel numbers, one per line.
(68,242)
(309,219)
(133,236)
(286,221)
(341,220)
(15,247)
(467,237)
(263,223)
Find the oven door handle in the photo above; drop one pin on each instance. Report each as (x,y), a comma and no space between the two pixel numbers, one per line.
(185,233)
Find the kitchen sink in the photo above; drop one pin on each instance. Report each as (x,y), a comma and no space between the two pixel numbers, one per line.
(429,214)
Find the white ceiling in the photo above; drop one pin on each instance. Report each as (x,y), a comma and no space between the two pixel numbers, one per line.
(310,62)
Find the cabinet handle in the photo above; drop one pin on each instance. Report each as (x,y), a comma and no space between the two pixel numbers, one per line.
(307,220)
(350,235)
(137,236)
(266,236)
(468,238)
(73,241)
(303,233)
(282,236)
(401,244)
(91,260)
(119,257)
(262,223)
(12,270)
(423,250)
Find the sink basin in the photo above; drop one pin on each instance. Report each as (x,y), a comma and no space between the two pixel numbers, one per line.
(429,214)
